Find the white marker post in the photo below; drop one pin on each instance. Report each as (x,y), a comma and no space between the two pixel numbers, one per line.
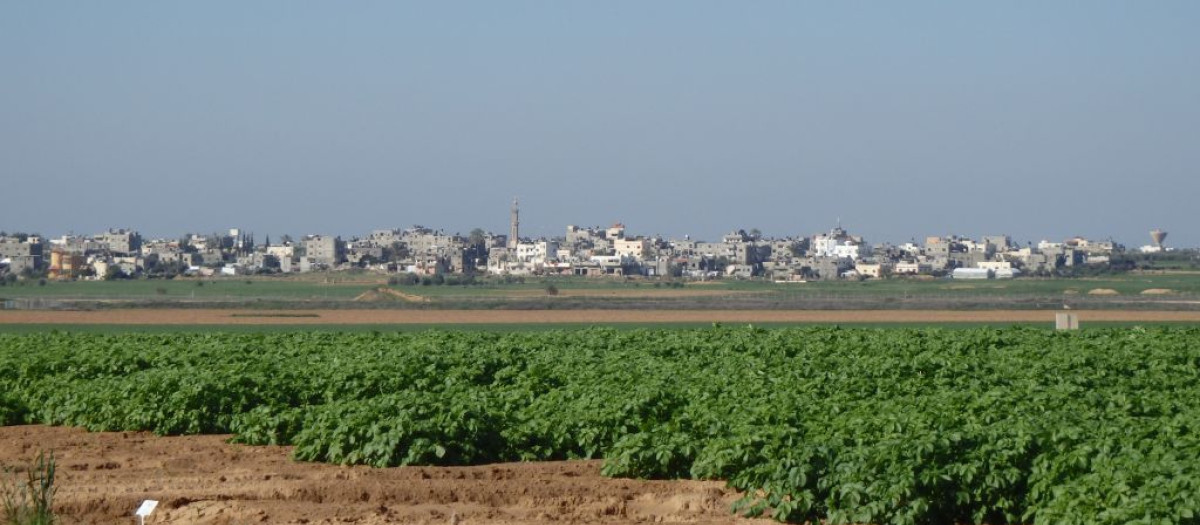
(1066,322)
(147,507)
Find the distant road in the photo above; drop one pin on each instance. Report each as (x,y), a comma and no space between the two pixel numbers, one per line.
(351,317)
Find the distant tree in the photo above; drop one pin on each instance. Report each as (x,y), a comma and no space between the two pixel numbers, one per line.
(476,251)
(173,268)
(113,272)
(759,253)
(185,245)
(20,236)
(477,237)
(797,249)
(367,260)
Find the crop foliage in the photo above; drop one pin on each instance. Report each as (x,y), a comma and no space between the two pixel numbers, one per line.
(908,426)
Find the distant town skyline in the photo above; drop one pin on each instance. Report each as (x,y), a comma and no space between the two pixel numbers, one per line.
(1037,120)
(541,232)
(611,251)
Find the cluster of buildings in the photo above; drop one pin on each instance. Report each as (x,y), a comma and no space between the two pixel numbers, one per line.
(835,254)
(581,251)
(121,253)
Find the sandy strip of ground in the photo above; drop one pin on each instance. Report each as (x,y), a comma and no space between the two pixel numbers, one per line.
(239,317)
(629,293)
(102,478)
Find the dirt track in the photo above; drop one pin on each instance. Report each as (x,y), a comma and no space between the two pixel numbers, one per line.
(103,477)
(228,317)
(630,293)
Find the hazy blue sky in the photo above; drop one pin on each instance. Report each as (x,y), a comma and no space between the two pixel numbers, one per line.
(1037,119)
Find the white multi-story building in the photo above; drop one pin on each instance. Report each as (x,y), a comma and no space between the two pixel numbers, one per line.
(911,268)
(842,249)
(632,248)
(324,249)
(851,250)
(823,246)
(1045,245)
(282,251)
(537,252)
(120,241)
(616,231)
(837,243)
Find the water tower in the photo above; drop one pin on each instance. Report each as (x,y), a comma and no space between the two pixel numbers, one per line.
(1157,236)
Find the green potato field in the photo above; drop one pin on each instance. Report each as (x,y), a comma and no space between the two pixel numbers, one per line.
(903,426)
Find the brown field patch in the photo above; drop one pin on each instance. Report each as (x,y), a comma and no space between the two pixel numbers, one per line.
(102,478)
(384,294)
(1158,291)
(1103,291)
(630,293)
(450,317)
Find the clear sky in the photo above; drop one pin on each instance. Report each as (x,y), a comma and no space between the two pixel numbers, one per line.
(905,119)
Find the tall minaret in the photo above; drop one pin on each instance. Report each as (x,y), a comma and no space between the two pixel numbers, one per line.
(514,228)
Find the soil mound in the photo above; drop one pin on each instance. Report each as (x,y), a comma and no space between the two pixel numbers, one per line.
(384,293)
(1158,291)
(1103,291)
(104,476)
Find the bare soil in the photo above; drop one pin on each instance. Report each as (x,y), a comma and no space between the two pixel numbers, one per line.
(384,293)
(629,293)
(103,477)
(231,317)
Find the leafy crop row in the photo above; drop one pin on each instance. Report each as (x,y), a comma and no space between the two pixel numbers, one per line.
(849,425)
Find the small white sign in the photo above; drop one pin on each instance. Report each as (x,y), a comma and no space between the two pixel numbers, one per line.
(147,507)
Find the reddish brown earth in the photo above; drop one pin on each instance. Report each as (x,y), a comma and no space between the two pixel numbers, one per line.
(217,316)
(103,477)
